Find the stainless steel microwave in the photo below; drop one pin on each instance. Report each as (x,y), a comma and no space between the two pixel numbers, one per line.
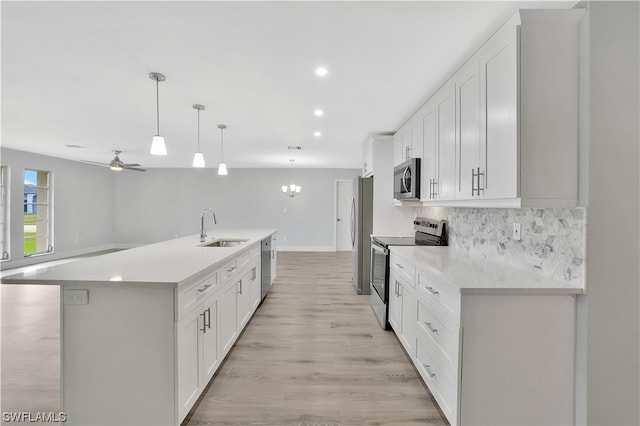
(406,180)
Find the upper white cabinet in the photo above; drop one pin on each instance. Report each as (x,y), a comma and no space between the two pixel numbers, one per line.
(503,130)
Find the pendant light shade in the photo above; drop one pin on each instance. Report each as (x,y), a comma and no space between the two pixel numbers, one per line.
(158,146)
(198,157)
(222,167)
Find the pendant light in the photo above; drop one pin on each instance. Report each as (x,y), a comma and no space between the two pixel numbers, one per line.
(292,189)
(222,167)
(158,146)
(198,157)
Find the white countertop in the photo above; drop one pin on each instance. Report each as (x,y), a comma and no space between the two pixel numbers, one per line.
(167,263)
(476,275)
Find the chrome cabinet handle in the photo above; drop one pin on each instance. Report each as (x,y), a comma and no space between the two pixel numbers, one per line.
(200,290)
(233,268)
(430,327)
(399,266)
(436,292)
(475,189)
(428,368)
(254,274)
(208,324)
(204,322)
(239,282)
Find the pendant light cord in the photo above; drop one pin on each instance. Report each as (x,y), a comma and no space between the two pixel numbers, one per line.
(158,105)
(198,129)
(222,145)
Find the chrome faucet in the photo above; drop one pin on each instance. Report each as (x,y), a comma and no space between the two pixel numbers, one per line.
(203,230)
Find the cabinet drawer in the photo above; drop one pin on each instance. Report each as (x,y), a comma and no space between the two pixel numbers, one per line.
(404,267)
(192,294)
(442,296)
(441,333)
(441,387)
(243,260)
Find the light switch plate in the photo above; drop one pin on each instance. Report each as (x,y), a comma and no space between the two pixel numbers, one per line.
(76,297)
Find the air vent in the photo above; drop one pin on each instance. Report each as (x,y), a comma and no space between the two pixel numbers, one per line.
(294,148)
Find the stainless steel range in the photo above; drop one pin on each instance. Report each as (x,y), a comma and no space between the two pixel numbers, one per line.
(428,233)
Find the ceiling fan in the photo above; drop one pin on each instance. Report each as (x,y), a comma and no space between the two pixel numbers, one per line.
(117,164)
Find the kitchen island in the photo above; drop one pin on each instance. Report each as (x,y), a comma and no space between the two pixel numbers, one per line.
(144,330)
(495,344)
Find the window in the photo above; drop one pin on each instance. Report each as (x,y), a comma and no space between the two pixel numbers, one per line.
(4,213)
(37,212)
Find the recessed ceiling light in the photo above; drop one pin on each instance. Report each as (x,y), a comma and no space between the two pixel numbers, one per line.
(76,146)
(294,147)
(318,113)
(321,71)
(317,134)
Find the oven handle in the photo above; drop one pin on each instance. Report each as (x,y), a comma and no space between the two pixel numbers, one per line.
(376,247)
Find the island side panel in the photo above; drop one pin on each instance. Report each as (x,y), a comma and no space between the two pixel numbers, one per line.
(118,358)
(518,359)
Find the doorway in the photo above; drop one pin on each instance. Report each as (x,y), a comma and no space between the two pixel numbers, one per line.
(344,197)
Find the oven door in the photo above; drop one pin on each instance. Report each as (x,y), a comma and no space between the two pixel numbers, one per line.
(379,270)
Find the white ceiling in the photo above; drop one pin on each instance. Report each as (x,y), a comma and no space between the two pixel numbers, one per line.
(76,73)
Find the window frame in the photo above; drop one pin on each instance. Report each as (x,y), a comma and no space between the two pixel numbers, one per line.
(5,198)
(47,205)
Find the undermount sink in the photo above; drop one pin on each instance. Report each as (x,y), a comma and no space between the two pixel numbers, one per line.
(224,243)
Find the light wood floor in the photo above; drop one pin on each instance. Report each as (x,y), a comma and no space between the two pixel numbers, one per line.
(313,354)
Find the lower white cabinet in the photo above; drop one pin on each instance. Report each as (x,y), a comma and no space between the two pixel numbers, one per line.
(402,308)
(499,357)
(198,354)
(206,332)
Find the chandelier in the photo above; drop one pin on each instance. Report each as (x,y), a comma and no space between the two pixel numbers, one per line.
(292,189)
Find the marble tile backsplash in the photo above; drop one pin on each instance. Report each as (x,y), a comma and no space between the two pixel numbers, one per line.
(552,240)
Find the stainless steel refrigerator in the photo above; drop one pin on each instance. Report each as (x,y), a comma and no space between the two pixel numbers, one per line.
(361,228)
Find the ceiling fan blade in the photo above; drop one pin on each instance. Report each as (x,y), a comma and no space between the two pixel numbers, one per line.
(135,168)
(95,162)
(131,165)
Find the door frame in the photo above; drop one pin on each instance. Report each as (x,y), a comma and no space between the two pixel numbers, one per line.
(335,211)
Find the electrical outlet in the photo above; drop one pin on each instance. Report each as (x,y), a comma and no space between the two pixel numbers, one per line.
(517,232)
(76,297)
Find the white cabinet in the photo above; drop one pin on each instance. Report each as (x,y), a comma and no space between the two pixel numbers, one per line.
(445,181)
(244,298)
(197,345)
(274,257)
(402,305)
(470,167)
(488,357)
(228,317)
(255,286)
(407,142)
(504,126)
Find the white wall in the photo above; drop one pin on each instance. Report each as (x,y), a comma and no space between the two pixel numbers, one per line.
(82,202)
(613,231)
(166,203)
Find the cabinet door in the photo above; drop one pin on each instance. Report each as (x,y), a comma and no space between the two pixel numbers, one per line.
(209,340)
(395,304)
(414,138)
(429,172)
(228,320)
(398,149)
(189,379)
(470,170)
(408,318)
(274,259)
(255,287)
(446,99)
(244,299)
(498,74)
